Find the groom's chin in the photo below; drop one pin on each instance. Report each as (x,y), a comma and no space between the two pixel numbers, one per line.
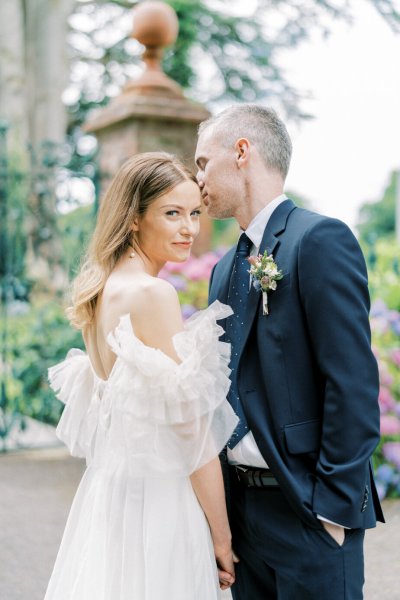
(212,211)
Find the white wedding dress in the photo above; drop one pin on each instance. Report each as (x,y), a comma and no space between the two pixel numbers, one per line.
(136,530)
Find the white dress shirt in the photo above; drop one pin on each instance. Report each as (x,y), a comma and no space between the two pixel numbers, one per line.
(246,452)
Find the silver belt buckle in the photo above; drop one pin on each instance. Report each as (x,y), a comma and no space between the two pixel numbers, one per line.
(242,469)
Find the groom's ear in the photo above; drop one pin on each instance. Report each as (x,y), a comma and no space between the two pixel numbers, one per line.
(242,149)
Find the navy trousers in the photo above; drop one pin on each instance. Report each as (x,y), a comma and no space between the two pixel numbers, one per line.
(283,558)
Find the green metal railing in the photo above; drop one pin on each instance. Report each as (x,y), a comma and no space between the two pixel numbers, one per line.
(28,195)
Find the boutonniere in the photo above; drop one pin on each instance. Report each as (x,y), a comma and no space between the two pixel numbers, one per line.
(264,274)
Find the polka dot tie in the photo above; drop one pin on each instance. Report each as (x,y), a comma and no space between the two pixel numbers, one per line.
(237,299)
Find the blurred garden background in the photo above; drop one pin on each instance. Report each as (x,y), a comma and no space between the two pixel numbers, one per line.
(83,85)
(60,61)
(75,102)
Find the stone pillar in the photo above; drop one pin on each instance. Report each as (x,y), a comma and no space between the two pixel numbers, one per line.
(151,113)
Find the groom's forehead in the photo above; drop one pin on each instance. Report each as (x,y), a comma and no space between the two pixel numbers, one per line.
(207,143)
(204,138)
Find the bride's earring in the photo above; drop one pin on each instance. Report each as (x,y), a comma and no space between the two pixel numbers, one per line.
(133,253)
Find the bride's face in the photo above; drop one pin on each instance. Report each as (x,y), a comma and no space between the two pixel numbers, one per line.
(170,225)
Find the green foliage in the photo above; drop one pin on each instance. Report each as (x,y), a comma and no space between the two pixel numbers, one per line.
(75,229)
(377,219)
(38,339)
(299,200)
(13,238)
(176,62)
(225,233)
(383,259)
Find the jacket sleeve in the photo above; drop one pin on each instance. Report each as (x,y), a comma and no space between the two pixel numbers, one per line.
(334,292)
(210,295)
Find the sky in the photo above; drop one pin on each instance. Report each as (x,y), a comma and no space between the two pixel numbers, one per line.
(344,156)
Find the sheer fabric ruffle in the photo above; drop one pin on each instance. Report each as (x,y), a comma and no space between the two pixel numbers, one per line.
(159,416)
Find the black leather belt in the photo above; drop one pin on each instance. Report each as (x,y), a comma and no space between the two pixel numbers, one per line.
(253,477)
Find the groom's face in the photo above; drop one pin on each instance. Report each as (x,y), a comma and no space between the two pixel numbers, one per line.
(218,176)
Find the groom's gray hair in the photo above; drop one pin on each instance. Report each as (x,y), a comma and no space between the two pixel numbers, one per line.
(261,126)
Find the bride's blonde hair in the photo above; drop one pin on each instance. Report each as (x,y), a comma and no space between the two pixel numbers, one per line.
(141,180)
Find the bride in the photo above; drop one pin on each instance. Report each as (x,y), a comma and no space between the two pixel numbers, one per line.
(145,406)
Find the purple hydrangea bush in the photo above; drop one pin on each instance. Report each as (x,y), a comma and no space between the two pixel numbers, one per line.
(191,279)
(385,324)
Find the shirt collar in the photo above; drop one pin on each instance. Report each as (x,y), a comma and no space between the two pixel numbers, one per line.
(255,230)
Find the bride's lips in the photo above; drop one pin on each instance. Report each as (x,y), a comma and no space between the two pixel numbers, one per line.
(183,244)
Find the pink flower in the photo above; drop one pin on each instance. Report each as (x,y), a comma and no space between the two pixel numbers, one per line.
(395,355)
(375,351)
(379,324)
(195,268)
(265,281)
(386,400)
(253,260)
(196,271)
(385,377)
(390,425)
(173,267)
(210,259)
(391,451)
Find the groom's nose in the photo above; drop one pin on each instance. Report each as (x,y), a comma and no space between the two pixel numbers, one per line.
(199,179)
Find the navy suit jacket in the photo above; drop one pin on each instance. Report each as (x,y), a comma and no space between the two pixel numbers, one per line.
(307,377)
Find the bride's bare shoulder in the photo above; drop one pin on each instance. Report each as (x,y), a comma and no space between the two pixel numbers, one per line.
(152,304)
(156,314)
(147,289)
(140,295)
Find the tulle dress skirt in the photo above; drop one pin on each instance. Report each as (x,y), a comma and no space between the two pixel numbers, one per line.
(131,538)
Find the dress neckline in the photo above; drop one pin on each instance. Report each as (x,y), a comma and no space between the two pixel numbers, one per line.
(217,310)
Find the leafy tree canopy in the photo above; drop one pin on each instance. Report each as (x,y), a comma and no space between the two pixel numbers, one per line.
(220,53)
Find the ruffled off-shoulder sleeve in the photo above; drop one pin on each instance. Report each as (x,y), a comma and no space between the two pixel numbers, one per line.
(73,381)
(183,406)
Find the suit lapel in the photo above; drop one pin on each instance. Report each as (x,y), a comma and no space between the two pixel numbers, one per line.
(222,276)
(275,226)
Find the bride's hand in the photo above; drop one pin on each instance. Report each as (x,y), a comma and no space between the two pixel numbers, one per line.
(226,559)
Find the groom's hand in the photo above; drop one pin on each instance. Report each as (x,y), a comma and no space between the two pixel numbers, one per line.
(335,531)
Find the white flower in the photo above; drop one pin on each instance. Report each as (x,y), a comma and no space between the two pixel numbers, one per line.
(265,274)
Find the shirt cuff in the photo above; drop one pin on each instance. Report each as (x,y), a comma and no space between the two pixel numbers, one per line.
(331,522)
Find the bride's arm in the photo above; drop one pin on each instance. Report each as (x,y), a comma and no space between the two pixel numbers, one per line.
(158,318)
(208,485)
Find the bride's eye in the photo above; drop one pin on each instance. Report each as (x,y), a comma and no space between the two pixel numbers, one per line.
(196,213)
(171,213)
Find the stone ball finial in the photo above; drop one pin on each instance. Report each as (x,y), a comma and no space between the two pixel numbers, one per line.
(155,24)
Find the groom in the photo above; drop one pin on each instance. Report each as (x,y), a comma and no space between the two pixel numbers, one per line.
(304,379)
